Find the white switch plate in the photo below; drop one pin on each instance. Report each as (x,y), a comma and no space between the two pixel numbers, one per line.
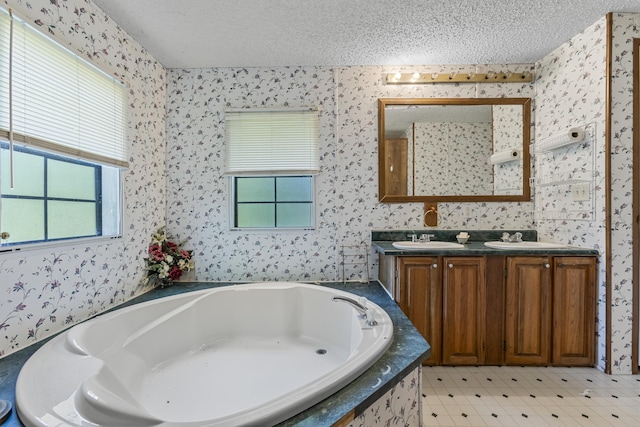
(581,192)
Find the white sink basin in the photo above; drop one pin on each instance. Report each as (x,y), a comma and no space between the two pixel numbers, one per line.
(524,245)
(421,246)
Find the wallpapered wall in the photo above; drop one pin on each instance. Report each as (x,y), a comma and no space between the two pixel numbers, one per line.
(347,197)
(450,153)
(507,131)
(625,28)
(570,91)
(43,291)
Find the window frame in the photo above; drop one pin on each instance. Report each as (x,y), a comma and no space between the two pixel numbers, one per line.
(106,151)
(234,203)
(46,156)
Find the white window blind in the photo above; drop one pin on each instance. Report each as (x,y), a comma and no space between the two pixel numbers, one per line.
(60,102)
(272,142)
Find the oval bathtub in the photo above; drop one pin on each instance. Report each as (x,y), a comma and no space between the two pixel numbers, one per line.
(252,354)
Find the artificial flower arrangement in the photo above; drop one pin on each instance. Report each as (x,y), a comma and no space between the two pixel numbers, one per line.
(167,261)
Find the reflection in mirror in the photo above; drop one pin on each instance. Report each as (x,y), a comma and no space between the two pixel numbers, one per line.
(454,149)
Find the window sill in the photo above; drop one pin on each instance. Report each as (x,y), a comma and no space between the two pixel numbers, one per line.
(35,248)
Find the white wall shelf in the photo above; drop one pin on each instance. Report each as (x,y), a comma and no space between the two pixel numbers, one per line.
(565,176)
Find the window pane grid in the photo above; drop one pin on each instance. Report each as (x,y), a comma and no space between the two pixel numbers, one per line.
(70,217)
(281,212)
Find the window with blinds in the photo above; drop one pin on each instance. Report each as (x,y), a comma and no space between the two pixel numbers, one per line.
(63,141)
(58,101)
(272,158)
(272,142)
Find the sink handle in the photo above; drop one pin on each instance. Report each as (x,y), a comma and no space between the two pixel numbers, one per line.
(426,237)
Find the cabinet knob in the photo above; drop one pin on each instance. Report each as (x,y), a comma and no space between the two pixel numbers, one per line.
(434,265)
(4,235)
(547,265)
(450,265)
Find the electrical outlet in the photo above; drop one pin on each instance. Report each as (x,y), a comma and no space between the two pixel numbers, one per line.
(581,192)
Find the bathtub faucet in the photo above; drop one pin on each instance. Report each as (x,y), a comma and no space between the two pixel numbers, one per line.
(360,308)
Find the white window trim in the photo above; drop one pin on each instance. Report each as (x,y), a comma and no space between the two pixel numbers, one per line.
(71,243)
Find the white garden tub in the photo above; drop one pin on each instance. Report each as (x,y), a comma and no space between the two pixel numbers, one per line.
(252,354)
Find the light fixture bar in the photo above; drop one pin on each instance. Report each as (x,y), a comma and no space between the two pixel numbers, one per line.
(422,78)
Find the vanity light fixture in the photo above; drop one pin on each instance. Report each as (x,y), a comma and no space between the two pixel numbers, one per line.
(394,77)
(453,77)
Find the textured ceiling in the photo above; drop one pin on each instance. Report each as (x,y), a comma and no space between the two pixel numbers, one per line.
(219,33)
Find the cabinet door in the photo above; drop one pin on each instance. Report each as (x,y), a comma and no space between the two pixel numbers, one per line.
(528,311)
(463,311)
(574,311)
(420,298)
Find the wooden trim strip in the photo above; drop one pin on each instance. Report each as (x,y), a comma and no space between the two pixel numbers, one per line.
(636,208)
(607,186)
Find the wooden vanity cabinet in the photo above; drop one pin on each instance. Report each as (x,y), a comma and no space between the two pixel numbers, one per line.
(497,310)
(550,311)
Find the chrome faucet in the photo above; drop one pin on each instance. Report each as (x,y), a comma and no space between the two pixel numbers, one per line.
(515,238)
(426,237)
(360,308)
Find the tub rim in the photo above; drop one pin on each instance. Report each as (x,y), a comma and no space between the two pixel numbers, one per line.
(189,296)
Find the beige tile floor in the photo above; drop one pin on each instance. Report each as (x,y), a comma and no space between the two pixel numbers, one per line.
(531,396)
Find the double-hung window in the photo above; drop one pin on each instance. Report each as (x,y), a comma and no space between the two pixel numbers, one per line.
(272,159)
(62,141)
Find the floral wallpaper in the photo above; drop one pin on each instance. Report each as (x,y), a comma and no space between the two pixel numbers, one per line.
(46,290)
(400,406)
(455,146)
(625,28)
(198,190)
(507,132)
(570,92)
(347,197)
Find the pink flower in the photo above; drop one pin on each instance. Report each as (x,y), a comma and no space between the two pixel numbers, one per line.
(184,254)
(175,273)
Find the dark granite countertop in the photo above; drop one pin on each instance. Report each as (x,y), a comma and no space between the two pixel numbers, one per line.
(478,248)
(407,351)
(382,243)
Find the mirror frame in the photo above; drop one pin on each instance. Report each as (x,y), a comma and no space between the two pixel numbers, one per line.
(526,141)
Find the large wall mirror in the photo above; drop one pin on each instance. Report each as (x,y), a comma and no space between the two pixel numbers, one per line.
(454,149)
